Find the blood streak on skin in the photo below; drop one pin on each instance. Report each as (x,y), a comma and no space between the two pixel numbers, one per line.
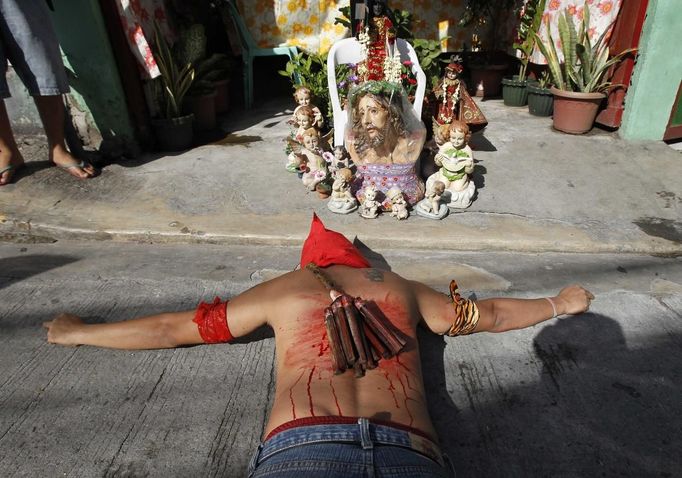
(395,310)
(310,353)
(407,397)
(391,388)
(291,395)
(310,396)
(336,399)
(312,345)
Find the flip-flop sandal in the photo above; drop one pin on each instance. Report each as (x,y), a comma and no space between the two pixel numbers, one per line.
(82,165)
(10,167)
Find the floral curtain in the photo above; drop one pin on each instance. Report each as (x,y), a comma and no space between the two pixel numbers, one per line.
(138,18)
(603,14)
(309,24)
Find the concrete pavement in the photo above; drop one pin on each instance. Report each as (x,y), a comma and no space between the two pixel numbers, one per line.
(593,395)
(538,191)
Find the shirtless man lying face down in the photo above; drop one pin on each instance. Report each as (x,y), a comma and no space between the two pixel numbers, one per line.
(339,366)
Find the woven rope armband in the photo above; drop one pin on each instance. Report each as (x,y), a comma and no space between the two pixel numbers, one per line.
(211,320)
(466,313)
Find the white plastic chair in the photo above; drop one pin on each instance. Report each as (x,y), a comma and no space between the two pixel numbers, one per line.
(347,51)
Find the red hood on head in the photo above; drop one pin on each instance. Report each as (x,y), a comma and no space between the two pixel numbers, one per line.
(327,248)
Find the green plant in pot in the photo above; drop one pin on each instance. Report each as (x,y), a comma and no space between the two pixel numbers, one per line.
(580,81)
(200,100)
(174,128)
(514,91)
(311,70)
(216,69)
(540,96)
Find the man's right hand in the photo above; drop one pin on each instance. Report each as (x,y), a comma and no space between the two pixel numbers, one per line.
(62,329)
(573,299)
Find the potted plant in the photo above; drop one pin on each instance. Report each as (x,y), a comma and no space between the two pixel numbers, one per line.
(217,70)
(540,96)
(311,70)
(174,129)
(514,91)
(580,80)
(487,67)
(200,100)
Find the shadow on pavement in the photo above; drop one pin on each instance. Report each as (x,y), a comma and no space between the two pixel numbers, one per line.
(600,408)
(17,268)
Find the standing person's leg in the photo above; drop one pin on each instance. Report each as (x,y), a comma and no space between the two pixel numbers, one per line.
(51,109)
(10,157)
(30,43)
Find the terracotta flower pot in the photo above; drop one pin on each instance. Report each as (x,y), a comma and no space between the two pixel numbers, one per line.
(203,108)
(222,95)
(514,92)
(323,191)
(574,112)
(486,81)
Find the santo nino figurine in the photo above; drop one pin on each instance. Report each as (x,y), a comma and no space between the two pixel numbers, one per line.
(455,103)
(377,38)
(456,162)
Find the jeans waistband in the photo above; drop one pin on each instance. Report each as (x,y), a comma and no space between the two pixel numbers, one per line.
(363,432)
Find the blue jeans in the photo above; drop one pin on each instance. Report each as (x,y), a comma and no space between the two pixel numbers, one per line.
(345,451)
(28,40)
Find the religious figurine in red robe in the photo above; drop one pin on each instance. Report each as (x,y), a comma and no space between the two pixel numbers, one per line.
(377,37)
(455,103)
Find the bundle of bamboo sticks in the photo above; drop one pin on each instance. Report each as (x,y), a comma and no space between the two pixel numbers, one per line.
(359,333)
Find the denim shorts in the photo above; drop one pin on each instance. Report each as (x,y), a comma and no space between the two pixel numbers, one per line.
(29,42)
(358,450)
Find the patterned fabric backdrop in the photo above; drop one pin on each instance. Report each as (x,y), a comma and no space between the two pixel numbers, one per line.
(309,24)
(603,14)
(137,19)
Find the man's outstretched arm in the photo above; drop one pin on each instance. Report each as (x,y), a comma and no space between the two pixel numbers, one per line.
(501,314)
(160,331)
(244,314)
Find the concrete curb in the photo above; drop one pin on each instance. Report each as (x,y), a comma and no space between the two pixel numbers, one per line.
(34,231)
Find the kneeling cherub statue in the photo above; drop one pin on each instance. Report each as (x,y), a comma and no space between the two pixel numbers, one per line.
(456,162)
(342,200)
(431,206)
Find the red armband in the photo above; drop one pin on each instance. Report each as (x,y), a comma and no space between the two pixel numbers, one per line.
(211,319)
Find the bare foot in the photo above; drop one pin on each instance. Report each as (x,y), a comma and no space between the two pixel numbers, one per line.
(61,158)
(10,162)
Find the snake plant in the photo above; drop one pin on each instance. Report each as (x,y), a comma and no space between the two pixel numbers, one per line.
(529,23)
(175,80)
(585,64)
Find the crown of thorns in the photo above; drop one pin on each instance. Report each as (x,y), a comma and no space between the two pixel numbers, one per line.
(377,88)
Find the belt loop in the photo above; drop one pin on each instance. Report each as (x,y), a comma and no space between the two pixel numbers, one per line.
(365,438)
(449,466)
(254,460)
